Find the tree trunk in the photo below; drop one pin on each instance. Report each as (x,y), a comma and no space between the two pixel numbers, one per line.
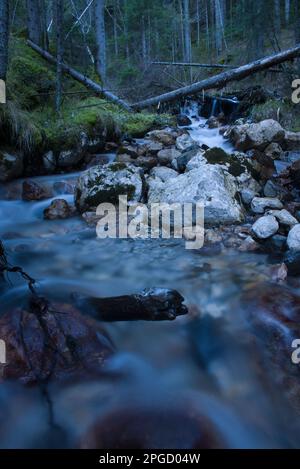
(4,34)
(220,80)
(100,39)
(187,31)
(36,22)
(297,22)
(277,18)
(97,89)
(59,13)
(287,10)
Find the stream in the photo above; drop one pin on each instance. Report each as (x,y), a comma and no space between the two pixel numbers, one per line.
(201,365)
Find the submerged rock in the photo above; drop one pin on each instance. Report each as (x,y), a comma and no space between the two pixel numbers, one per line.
(31,190)
(209,184)
(104,184)
(265,227)
(292,261)
(58,209)
(11,165)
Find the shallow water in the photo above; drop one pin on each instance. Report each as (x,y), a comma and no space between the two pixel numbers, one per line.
(206,363)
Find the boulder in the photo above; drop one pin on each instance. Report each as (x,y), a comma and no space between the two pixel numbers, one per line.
(58,209)
(69,158)
(265,227)
(127,149)
(180,162)
(209,184)
(167,155)
(257,136)
(196,162)
(183,120)
(166,137)
(154,147)
(31,190)
(11,165)
(260,204)
(105,183)
(271,189)
(163,173)
(293,240)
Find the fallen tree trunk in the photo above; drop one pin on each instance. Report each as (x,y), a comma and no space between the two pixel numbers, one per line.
(81,78)
(193,64)
(220,80)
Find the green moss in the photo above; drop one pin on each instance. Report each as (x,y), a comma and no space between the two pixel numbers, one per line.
(110,194)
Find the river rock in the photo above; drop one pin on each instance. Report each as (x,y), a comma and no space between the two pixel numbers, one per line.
(146,162)
(247,196)
(128,149)
(105,183)
(284,217)
(58,209)
(31,190)
(183,120)
(196,162)
(163,173)
(180,163)
(166,137)
(265,227)
(276,244)
(258,136)
(11,165)
(154,147)
(270,189)
(260,204)
(293,240)
(69,158)
(183,142)
(249,245)
(167,155)
(210,184)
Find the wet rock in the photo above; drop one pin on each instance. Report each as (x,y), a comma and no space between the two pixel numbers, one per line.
(154,147)
(292,261)
(11,165)
(293,240)
(183,120)
(69,158)
(260,204)
(91,218)
(33,191)
(284,217)
(63,187)
(166,156)
(104,184)
(213,123)
(163,173)
(210,184)
(57,344)
(212,237)
(146,162)
(49,162)
(292,140)
(265,227)
(58,209)
(184,142)
(274,151)
(196,162)
(258,136)
(166,137)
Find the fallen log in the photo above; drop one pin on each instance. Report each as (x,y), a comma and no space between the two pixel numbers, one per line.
(81,78)
(220,80)
(193,64)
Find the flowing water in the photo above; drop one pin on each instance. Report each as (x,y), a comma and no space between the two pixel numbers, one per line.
(203,362)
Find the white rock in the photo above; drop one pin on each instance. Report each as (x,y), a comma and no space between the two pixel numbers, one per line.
(163,173)
(260,204)
(293,240)
(284,217)
(259,136)
(265,227)
(210,184)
